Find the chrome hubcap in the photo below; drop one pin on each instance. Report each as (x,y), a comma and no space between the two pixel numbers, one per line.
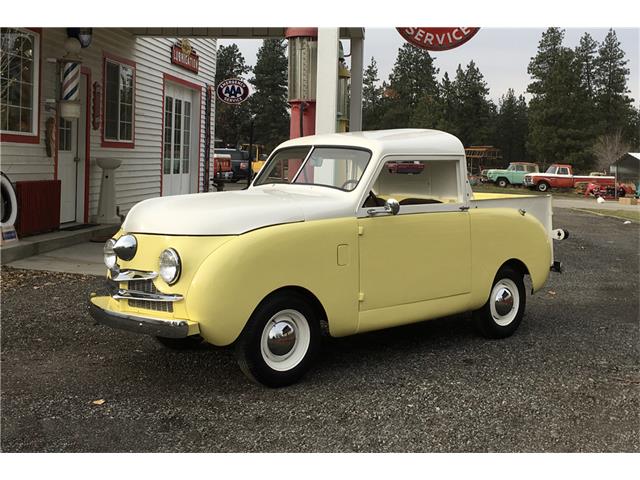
(503,301)
(281,337)
(285,340)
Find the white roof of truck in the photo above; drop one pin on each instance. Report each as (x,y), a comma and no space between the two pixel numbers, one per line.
(409,141)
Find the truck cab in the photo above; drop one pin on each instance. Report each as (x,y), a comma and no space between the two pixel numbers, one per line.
(513,175)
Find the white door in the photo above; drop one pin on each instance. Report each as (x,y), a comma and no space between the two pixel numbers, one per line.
(71,148)
(180,146)
(68,168)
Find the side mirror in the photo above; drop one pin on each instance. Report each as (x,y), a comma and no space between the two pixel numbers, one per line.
(392,205)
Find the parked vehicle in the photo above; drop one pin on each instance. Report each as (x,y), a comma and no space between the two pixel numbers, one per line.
(405,167)
(347,242)
(561,176)
(512,175)
(609,191)
(222,167)
(258,158)
(239,162)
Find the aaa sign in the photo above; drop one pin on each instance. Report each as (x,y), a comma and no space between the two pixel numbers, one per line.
(233,91)
(441,38)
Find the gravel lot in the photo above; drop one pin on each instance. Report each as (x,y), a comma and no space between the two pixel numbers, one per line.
(568,380)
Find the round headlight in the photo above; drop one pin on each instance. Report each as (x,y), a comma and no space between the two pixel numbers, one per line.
(109,255)
(170,266)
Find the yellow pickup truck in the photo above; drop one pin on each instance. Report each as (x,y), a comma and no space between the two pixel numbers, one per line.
(343,240)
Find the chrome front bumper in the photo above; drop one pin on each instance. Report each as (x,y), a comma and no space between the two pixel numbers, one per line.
(138,324)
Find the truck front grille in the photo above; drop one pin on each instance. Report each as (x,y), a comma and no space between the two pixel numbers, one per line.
(147,286)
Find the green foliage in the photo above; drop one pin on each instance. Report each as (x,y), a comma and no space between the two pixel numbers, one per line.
(611,73)
(578,96)
(512,127)
(371,97)
(269,102)
(231,120)
(412,79)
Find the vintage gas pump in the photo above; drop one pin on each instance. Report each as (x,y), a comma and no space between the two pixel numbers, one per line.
(343,93)
(303,59)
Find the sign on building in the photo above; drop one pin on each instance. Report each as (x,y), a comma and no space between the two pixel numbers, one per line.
(437,38)
(183,55)
(233,91)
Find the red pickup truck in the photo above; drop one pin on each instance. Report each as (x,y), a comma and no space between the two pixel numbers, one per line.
(561,176)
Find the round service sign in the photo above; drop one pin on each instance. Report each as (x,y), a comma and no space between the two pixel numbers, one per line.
(233,91)
(440,38)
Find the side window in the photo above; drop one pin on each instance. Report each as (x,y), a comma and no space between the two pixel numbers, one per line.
(417,182)
(519,168)
(19,73)
(119,102)
(563,171)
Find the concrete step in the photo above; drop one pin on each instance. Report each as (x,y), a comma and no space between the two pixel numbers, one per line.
(46,242)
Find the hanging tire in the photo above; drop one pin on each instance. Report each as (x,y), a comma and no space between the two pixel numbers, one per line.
(502,182)
(503,312)
(542,186)
(8,202)
(280,340)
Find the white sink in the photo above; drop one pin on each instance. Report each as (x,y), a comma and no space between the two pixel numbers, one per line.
(108,163)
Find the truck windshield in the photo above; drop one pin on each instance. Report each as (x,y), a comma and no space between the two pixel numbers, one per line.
(551,169)
(334,167)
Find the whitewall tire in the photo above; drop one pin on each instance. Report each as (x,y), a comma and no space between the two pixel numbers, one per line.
(280,340)
(9,207)
(504,310)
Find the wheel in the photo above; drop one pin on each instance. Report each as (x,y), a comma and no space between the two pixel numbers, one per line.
(542,186)
(503,312)
(186,343)
(279,341)
(502,182)
(8,202)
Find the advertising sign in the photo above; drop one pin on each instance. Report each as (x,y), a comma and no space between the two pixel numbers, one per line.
(184,55)
(233,91)
(437,38)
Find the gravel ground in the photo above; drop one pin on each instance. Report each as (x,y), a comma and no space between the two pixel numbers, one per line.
(568,380)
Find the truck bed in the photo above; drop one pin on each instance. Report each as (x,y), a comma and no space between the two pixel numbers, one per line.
(537,205)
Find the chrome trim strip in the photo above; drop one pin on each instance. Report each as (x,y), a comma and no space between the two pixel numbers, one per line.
(150,297)
(127,275)
(162,328)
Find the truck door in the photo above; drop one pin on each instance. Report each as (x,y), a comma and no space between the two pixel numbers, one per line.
(423,252)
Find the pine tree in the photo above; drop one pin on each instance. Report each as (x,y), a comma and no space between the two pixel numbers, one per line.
(269,101)
(371,97)
(512,127)
(557,115)
(412,78)
(475,113)
(611,73)
(231,120)
(585,59)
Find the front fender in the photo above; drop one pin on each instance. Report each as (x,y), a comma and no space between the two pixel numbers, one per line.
(235,278)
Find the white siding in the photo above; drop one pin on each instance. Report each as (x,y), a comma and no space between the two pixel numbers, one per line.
(139,176)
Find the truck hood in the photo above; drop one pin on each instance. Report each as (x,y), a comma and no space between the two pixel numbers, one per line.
(236,212)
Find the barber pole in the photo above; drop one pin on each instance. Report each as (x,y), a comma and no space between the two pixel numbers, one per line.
(70,81)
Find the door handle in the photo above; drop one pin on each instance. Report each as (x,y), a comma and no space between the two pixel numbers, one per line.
(76,159)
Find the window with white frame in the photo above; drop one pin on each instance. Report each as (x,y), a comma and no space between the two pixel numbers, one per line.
(19,74)
(118,98)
